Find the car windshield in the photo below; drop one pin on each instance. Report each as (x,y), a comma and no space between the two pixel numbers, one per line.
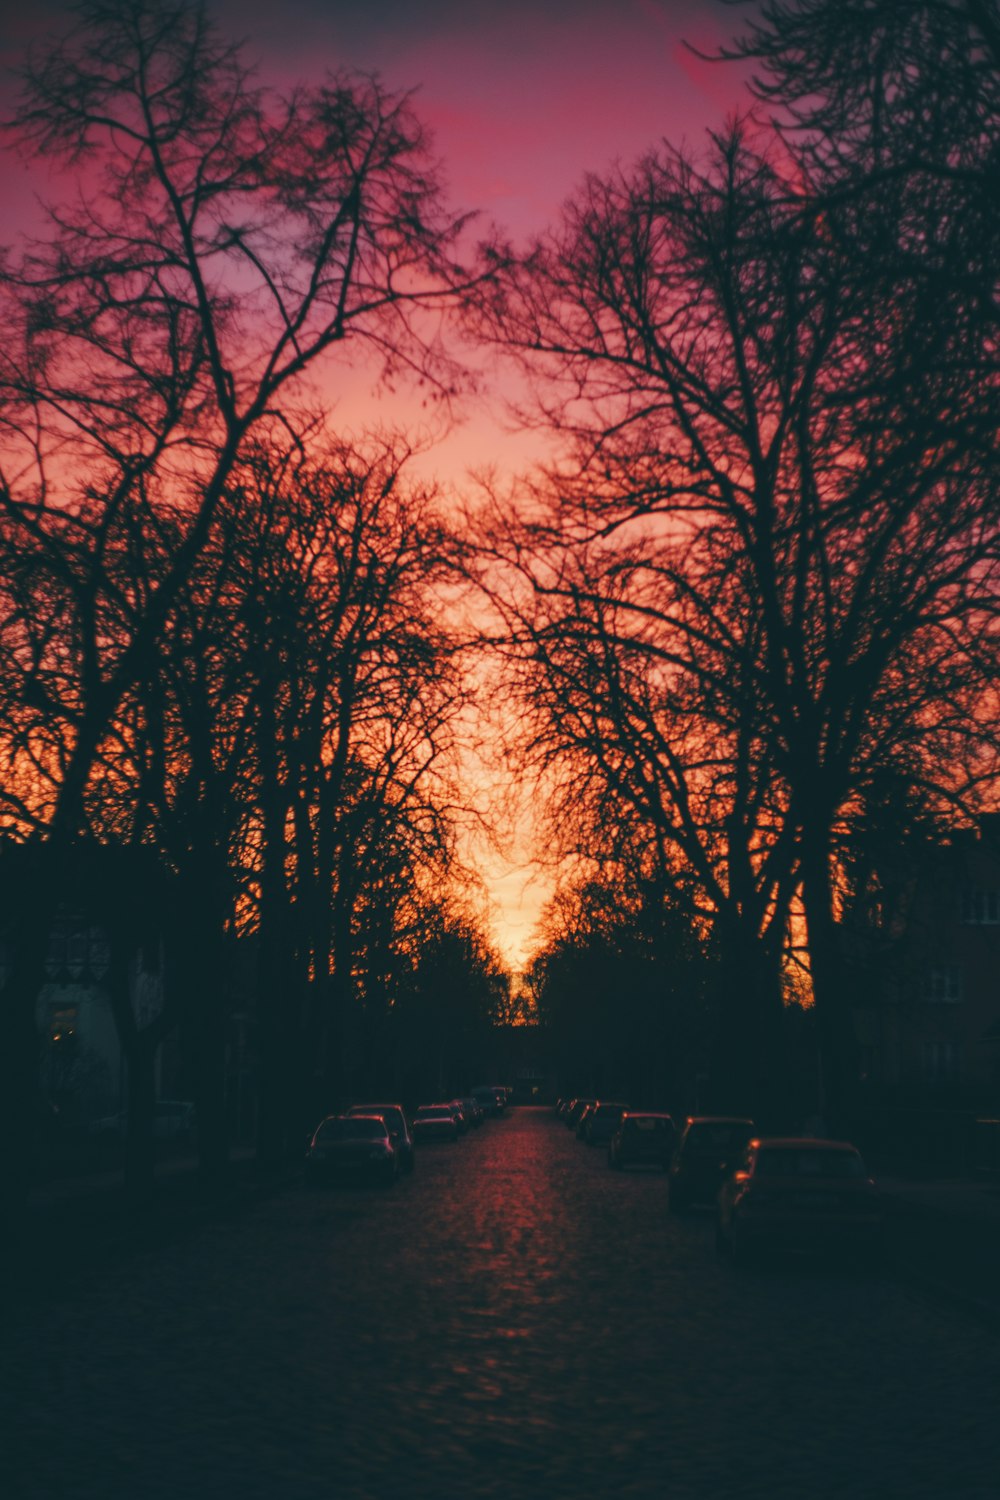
(801,1161)
(353,1129)
(711,1139)
(390,1113)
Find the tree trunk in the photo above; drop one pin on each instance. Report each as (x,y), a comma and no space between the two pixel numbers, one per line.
(199,974)
(33,877)
(19,1056)
(746,1075)
(139,1052)
(837,1039)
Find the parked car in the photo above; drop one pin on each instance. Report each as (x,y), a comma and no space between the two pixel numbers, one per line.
(642,1139)
(583,1118)
(576,1109)
(491,1098)
(351,1146)
(435,1122)
(395,1117)
(458,1110)
(602,1122)
(798,1193)
(709,1147)
(472,1109)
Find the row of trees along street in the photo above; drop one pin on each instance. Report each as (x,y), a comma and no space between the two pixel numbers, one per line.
(229,697)
(747,611)
(751,603)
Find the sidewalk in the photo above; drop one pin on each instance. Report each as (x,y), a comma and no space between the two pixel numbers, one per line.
(69,1225)
(112,1181)
(959,1197)
(943,1235)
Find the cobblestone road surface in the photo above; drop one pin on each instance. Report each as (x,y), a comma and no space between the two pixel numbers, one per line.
(514,1320)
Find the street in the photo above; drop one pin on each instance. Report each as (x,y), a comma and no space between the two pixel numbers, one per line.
(513,1320)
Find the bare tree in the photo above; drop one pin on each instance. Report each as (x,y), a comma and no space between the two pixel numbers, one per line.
(217,241)
(353,709)
(779,449)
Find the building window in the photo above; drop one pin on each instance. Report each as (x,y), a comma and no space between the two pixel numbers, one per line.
(942,1062)
(979,908)
(76,952)
(943,985)
(55,958)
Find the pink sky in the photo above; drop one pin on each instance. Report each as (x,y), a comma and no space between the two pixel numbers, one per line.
(523,100)
(525,97)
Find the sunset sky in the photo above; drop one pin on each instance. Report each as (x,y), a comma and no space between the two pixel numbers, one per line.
(522,99)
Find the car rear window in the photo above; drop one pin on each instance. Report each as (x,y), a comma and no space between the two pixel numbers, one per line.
(718,1137)
(648,1124)
(389,1112)
(790,1161)
(353,1129)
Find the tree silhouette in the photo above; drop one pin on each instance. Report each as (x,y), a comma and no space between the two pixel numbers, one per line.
(217,241)
(776,482)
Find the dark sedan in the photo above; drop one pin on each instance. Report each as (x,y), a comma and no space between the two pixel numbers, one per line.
(352,1146)
(572,1116)
(643,1139)
(395,1117)
(792,1193)
(709,1147)
(602,1122)
(435,1122)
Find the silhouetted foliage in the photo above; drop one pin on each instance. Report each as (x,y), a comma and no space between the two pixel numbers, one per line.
(625,991)
(761,568)
(226,238)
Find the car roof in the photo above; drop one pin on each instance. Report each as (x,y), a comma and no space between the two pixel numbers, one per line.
(802,1143)
(353,1118)
(649,1114)
(719,1120)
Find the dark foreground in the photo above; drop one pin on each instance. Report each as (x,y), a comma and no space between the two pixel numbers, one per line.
(512,1321)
